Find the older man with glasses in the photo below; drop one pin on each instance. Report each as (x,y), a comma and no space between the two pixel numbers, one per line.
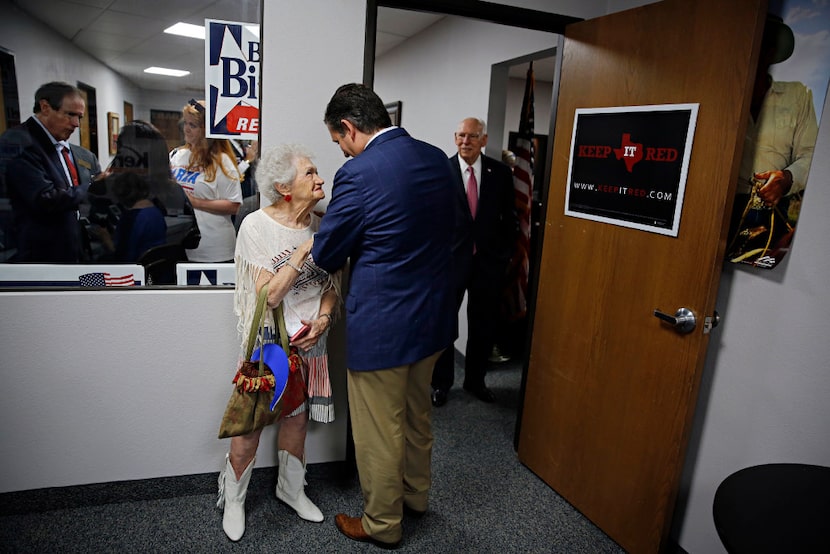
(485,235)
(46,178)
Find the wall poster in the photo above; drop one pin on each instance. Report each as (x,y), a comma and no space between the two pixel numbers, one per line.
(629,164)
(788,94)
(232,68)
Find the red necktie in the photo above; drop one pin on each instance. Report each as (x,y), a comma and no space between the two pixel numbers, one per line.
(472,192)
(73,171)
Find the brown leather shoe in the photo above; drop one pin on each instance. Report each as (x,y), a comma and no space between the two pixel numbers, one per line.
(353,528)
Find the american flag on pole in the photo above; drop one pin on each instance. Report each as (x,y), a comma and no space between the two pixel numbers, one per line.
(523,187)
(106,280)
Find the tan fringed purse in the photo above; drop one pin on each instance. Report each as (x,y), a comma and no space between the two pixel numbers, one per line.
(259,384)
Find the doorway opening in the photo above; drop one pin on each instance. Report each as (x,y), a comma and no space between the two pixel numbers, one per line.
(509,16)
(89,123)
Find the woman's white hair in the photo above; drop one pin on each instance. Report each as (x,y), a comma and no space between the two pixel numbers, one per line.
(277,165)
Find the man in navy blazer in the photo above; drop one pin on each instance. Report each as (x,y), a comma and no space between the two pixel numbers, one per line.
(484,244)
(391,216)
(45,196)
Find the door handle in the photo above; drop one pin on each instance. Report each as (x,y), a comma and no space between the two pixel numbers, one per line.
(683,320)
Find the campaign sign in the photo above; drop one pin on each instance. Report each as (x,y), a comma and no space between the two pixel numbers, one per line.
(232,65)
(628,165)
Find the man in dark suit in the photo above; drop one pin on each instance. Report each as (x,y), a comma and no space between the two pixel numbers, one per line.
(46,178)
(485,236)
(391,215)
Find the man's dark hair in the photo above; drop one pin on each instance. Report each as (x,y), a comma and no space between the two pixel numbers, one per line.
(54,93)
(358,104)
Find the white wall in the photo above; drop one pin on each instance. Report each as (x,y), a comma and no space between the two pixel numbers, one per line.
(766,386)
(442,75)
(307,53)
(107,386)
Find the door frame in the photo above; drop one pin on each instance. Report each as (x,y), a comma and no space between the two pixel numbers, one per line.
(511,16)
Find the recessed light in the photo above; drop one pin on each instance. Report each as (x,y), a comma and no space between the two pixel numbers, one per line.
(186,30)
(166,71)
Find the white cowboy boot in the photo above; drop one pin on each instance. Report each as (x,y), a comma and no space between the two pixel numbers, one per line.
(291,487)
(232,493)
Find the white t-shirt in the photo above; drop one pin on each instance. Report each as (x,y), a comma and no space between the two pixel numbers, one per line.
(266,244)
(218,233)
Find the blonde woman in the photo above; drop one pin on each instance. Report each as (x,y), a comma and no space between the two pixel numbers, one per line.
(206,169)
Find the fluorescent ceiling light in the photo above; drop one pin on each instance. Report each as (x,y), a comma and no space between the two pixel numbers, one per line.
(165,71)
(187,30)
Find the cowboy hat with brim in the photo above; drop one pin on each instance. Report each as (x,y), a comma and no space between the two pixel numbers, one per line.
(780,35)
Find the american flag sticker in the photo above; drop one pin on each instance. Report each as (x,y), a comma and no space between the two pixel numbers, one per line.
(106,280)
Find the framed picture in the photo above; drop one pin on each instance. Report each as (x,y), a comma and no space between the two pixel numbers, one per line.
(112,130)
(168,123)
(394,110)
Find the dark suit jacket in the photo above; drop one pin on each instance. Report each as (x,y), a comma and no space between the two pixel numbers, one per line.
(494,230)
(44,203)
(391,214)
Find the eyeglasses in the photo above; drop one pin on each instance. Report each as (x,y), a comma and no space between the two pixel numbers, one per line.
(71,115)
(471,136)
(195,104)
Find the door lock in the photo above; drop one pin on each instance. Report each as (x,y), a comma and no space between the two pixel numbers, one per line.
(683,320)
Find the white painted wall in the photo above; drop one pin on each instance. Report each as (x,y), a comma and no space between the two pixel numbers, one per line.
(443,75)
(764,397)
(766,380)
(108,386)
(308,52)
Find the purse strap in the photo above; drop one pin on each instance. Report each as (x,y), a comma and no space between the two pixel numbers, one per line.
(279,316)
(258,322)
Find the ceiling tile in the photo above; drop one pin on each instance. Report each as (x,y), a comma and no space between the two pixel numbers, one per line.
(67,18)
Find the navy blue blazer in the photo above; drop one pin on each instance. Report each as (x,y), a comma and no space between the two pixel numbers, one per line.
(44,203)
(391,215)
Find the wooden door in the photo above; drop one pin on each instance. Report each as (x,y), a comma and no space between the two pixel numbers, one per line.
(610,390)
(84,128)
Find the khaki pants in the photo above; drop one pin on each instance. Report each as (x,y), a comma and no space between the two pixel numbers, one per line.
(391,416)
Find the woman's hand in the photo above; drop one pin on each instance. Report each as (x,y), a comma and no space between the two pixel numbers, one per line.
(318,327)
(300,255)
(194,200)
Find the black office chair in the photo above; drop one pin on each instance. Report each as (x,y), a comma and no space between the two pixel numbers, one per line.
(774,508)
(160,263)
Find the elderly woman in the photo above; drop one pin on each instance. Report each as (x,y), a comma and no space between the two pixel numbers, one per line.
(273,251)
(206,169)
